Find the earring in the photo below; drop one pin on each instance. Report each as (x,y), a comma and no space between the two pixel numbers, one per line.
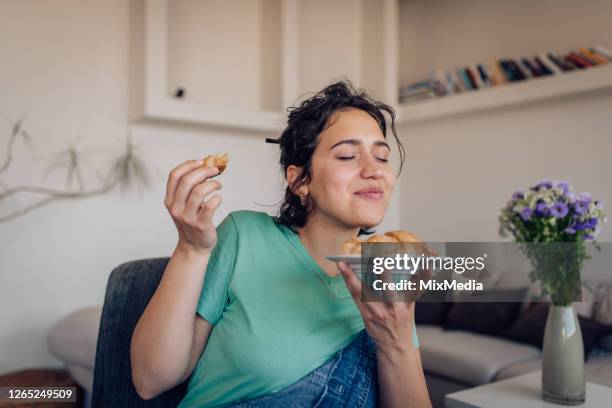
(303,193)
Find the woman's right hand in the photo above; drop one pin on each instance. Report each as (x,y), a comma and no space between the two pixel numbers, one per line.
(188,186)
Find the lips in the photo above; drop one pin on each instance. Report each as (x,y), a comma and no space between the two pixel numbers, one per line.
(371,193)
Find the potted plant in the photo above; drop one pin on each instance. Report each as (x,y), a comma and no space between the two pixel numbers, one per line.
(553,224)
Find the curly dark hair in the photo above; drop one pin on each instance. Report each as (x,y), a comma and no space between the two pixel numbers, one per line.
(301,136)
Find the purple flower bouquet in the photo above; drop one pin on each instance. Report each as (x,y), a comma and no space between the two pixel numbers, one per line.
(550,212)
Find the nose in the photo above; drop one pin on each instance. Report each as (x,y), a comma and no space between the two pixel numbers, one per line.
(371,168)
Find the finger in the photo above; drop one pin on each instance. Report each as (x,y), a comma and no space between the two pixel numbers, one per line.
(368,309)
(389,296)
(424,275)
(208,208)
(353,283)
(175,177)
(188,181)
(197,195)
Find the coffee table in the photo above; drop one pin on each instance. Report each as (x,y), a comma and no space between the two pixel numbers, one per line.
(521,392)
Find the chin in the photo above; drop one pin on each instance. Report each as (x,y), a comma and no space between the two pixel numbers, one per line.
(370,220)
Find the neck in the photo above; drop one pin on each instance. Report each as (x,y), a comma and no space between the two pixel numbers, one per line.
(322,237)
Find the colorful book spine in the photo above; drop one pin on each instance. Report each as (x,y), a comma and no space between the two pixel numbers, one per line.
(512,70)
(543,68)
(584,57)
(498,74)
(484,75)
(602,51)
(471,77)
(561,63)
(577,62)
(549,64)
(450,85)
(592,56)
(476,76)
(466,79)
(533,68)
(578,59)
(458,81)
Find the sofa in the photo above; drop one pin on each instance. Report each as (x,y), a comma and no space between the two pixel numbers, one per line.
(453,359)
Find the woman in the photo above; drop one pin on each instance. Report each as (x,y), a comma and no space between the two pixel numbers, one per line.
(288,323)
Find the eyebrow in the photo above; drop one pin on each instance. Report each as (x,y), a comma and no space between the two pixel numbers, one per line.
(356,142)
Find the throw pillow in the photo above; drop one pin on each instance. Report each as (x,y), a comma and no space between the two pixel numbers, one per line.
(529,328)
(432,313)
(488,315)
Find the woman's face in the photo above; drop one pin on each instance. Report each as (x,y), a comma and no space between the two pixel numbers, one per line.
(352,180)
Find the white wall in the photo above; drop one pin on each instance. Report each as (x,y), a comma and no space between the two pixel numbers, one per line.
(461,171)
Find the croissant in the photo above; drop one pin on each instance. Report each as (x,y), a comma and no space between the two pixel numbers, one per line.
(353,246)
(217,160)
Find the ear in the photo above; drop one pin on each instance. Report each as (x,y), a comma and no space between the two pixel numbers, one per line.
(293,173)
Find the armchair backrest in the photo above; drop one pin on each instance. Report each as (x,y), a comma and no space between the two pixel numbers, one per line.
(130,287)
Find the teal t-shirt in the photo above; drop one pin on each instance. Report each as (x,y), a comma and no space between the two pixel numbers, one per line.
(276,314)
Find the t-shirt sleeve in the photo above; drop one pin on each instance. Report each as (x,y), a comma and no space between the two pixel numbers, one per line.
(219,271)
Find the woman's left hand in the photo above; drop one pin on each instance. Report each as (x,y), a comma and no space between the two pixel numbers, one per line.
(389,322)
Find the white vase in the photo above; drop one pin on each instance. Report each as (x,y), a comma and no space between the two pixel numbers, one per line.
(563,379)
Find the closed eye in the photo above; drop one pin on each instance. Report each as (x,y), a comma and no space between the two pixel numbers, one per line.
(381,159)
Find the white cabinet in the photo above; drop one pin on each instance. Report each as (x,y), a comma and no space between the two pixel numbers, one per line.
(242,62)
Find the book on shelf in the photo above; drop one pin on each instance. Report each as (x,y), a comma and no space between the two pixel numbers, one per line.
(511,70)
(484,75)
(577,61)
(548,63)
(452,83)
(475,75)
(504,70)
(532,67)
(471,77)
(458,81)
(585,58)
(466,79)
(561,63)
(599,59)
(498,76)
(598,49)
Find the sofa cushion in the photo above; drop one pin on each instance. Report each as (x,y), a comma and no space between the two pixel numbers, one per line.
(74,338)
(529,328)
(83,375)
(469,358)
(431,313)
(489,314)
(606,343)
(524,367)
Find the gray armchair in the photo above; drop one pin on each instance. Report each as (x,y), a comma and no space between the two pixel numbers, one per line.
(129,288)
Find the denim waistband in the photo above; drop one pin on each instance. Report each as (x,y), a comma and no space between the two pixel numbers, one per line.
(347,380)
(352,381)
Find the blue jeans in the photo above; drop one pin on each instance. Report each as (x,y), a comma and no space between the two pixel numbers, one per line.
(347,380)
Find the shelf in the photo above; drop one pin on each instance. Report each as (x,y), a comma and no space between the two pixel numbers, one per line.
(536,89)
